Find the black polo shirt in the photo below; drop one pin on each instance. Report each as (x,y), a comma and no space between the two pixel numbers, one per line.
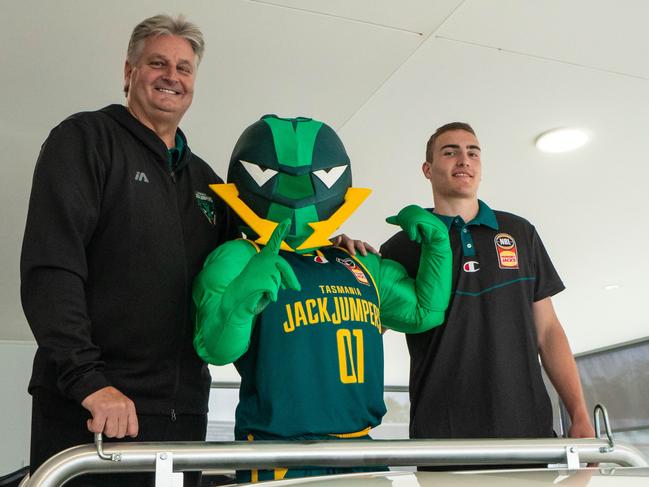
(478,374)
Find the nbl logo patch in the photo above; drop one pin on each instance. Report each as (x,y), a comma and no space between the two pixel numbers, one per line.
(354,269)
(507,252)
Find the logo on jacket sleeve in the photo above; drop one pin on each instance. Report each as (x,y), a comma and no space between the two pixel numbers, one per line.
(206,204)
(354,269)
(506,249)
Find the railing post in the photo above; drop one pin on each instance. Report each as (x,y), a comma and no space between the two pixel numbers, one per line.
(572,458)
(164,474)
(599,408)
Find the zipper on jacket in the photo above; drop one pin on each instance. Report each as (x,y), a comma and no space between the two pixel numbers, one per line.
(183,330)
(173,176)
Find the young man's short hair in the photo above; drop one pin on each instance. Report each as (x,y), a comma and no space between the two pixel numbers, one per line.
(443,129)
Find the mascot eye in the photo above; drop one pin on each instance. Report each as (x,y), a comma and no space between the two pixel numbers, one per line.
(330,176)
(259,174)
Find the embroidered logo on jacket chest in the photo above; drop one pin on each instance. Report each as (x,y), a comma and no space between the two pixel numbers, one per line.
(206,204)
(506,250)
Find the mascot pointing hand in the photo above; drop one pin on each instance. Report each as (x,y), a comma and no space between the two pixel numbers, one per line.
(301,319)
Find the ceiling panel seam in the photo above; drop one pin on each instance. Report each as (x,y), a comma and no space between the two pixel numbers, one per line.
(399,66)
(340,17)
(542,58)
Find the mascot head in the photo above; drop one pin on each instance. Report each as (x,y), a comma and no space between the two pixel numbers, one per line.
(291,168)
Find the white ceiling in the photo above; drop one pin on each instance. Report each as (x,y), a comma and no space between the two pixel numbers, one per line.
(385,74)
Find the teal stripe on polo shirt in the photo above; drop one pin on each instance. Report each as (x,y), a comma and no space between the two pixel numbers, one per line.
(497,286)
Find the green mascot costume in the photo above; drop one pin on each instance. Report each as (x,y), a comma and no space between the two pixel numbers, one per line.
(301,319)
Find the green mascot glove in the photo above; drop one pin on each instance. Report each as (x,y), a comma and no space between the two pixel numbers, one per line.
(228,299)
(420,225)
(433,281)
(261,279)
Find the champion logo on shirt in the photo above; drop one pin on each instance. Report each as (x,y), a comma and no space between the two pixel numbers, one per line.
(471,266)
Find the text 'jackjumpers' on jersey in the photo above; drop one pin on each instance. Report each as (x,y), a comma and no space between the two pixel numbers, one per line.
(333,310)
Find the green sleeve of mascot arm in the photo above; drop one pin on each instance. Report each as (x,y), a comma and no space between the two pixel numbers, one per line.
(235,285)
(417,305)
(222,333)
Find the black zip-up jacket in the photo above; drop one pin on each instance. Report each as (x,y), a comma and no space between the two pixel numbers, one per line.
(112,242)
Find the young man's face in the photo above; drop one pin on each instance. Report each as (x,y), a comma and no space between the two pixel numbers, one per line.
(161,81)
(456,168)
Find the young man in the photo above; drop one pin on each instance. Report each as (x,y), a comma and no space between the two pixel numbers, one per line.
(478,375)
(120,221)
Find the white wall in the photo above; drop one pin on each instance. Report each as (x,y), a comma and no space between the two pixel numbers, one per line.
(15,369)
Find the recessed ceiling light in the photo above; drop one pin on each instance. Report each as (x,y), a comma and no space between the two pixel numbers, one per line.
(611,287)
(561,140)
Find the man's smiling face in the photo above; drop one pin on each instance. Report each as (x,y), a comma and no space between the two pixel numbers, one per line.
(161,81)
(456,168)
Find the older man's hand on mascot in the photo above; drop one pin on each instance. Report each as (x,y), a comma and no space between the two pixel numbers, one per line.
(266,273)
(351,245)
(420,225)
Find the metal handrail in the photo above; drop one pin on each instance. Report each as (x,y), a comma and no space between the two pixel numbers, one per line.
(188,456)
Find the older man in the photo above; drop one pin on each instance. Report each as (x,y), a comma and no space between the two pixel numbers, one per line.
(120,220)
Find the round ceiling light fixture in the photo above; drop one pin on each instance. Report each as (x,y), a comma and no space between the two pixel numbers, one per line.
(611,287)
(561,140)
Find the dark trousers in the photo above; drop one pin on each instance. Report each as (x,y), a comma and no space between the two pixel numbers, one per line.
(58,424)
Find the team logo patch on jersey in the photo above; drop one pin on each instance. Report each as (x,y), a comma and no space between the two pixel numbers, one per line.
(507,252)
(206,204)
(471,266)
(354,269)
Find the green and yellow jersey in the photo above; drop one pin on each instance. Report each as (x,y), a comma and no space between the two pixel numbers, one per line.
(315,360)
(311,357)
